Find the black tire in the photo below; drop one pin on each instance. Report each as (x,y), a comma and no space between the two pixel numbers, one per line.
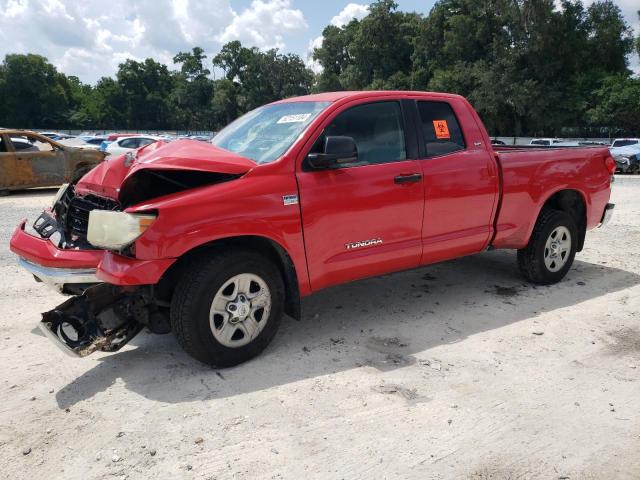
(531,258)
(194,294)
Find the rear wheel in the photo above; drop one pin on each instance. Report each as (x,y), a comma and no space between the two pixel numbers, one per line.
(551,249)
(227,307)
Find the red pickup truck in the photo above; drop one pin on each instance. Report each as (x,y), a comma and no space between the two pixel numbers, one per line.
(215,242)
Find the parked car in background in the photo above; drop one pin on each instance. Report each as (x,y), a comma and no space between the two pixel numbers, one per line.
(625,142)
(128,144)
(93,139)
(28,159)
(495,141)
(565,144)
(57,136)
(21,144)
(544,142)
(201,138)
(97,141)
(627,159)
(78,143)
(50,135)
(112,137)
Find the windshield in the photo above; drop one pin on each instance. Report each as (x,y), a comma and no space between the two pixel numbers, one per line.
(265,133)
(624,143)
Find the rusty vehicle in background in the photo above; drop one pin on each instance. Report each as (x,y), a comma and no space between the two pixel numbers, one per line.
(28,159)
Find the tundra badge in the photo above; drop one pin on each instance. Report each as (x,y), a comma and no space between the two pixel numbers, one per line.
(363,243)
(290,199)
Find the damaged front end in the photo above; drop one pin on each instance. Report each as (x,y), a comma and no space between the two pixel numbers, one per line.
(104,318)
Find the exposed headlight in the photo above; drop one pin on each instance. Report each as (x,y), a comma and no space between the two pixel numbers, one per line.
(60,193)
(621,159)
(116,230)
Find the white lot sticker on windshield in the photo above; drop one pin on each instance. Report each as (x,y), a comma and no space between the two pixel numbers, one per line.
(301,117)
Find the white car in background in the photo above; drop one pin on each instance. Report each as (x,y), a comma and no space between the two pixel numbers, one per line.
(545,142)
(128,144)
(626,142)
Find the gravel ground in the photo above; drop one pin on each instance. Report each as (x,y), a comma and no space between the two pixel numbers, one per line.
(458,370)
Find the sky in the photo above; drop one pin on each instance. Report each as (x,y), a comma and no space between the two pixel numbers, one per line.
(89,38)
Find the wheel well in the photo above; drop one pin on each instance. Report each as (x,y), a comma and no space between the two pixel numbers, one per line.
(81,169)
(262,245)
(572,202)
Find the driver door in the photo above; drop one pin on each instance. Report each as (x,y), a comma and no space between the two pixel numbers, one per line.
(365,218)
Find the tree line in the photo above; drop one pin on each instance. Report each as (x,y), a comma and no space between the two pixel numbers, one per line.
(528,66)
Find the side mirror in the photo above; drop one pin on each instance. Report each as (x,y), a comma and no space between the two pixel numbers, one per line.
(337,151)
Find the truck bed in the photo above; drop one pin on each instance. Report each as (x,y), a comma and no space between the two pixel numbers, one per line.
(531,174)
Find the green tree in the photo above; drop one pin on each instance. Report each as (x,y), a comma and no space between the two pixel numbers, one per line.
(617,106)
(32,92)
(145,89)
(190,100)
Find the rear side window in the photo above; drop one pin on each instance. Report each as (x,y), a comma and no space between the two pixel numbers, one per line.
(145,141)
(129,143)
(3,147)
(442,134)
(377,130)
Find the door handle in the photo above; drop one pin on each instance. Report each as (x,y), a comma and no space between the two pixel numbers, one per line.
(408,178)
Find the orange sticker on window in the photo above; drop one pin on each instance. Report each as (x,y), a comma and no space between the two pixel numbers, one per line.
(442,129)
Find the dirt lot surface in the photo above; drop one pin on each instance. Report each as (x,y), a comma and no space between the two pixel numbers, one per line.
(458,370)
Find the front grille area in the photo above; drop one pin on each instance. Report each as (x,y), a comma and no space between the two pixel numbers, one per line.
(77,218)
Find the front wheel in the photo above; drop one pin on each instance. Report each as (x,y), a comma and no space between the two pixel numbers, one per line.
(551,249)
(227,307)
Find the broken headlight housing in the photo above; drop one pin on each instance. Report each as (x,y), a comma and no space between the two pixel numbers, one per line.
(116,230)
(59,194)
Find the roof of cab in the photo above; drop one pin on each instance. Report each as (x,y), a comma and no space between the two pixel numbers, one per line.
(335,96)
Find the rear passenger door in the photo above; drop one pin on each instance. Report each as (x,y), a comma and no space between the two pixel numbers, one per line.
(460,181)
(365,218)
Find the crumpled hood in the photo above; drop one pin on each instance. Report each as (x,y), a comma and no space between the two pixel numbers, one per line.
(186,155)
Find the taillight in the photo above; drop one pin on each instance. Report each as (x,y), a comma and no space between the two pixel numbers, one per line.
(610,163)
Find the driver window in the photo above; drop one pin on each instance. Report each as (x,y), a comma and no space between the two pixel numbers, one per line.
(376,129)
(30,143)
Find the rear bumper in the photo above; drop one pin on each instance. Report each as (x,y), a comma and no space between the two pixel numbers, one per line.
(608,213)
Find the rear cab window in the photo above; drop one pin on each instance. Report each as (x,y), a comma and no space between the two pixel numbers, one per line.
(440,128)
